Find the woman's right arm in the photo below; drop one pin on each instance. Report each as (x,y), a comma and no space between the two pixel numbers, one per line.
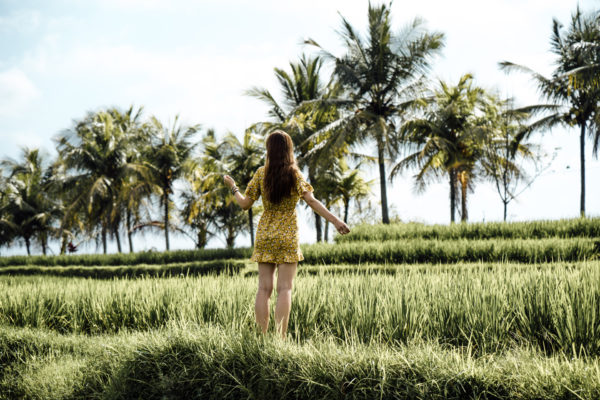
(320,209)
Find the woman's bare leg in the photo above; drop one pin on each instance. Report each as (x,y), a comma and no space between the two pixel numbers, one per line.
(266,276)
(285,278)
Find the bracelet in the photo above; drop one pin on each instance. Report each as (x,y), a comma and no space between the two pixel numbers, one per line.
(234,190)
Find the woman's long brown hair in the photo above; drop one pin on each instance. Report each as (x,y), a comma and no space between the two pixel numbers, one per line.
(280,168)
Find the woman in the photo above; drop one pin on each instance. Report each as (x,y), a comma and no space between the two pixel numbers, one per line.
(281,185)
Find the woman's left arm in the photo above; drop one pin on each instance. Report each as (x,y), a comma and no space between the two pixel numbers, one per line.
(243,201)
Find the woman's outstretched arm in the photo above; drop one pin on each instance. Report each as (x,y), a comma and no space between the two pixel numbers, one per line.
(320,209)
(243,201)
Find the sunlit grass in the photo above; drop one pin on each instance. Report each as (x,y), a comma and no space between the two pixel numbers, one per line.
(490,307)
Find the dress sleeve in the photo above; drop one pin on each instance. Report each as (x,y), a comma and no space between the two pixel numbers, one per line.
(302,186)
(253,188)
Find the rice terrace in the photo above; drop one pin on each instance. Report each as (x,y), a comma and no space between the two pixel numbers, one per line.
(134,255)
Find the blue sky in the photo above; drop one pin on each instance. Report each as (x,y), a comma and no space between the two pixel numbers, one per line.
(62,58)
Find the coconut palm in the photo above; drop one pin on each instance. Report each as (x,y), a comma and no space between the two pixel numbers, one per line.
(138,186)
(352,186)
(243,159)
(95,154)
(7,231)
(448,140)
(200,202)
(574,81)
(32,212)
(301,116)
(170,157)
(383,73)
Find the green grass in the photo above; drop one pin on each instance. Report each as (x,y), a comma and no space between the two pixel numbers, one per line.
(489,307)
(469,311)
(214,267)
(148,257)
(215,363)
(564,228)
(449,251)
(399,251)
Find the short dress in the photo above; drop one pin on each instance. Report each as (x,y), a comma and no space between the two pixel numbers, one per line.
(277,233)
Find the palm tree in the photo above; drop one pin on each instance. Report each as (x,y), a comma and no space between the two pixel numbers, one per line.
(170,157)
(574,81)
(301,115)
(200,202)
(448,140)
(382,73)
(95,152)
(351,185)
(137,186)
(32,211)
(243,159)
(7,228)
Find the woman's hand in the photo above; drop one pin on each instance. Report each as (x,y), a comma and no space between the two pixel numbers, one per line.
(229,181)
(341,227)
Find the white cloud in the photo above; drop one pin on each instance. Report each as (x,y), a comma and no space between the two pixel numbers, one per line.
(16,92)
(20,21)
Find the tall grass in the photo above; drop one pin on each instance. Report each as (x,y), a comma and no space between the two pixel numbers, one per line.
(449,251)
(375,251)
(147,257)
(209,362)
(214,267)
(553,308)
(564,228)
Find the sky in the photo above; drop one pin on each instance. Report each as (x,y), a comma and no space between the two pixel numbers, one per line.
(60,59)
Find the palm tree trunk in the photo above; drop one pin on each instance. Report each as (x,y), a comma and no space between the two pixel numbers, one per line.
(452,195)
(251,227)
(129,234)
(582,157)
(104,245)
(118,239)
(384,204)
(346,208)
(318,222)
(166,201)
(28,245)
(505,177)
(463,199)
(201,238)
(63,244)
(326,231)
(44,245)
(318,227)
(230,240)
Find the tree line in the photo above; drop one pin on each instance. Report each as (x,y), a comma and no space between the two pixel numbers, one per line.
(117,173)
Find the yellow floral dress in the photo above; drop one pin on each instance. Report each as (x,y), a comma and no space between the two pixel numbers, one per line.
(277,232)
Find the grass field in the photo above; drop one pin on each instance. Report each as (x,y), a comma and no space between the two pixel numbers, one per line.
(419,317)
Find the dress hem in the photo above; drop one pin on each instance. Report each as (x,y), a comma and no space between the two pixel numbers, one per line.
(276,261)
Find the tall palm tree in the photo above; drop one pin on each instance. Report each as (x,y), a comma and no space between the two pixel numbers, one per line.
(382,72)
(574,82)
(7,231)
(200,202)
(95,152)
(243,159)
(301,116)
(33,212)
(351,185)
(170,157)
(137,186)
(449,140)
